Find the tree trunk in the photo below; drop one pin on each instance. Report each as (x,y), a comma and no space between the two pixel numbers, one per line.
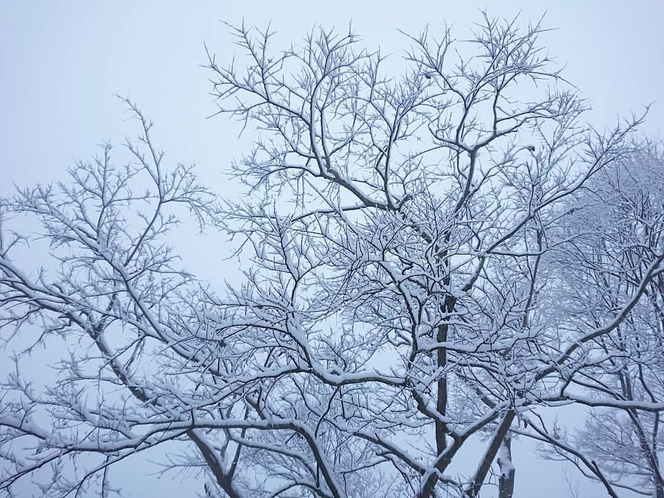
(659,489)
(507,470)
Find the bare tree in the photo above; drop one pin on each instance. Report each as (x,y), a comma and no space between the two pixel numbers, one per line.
(400,232)
(623,384)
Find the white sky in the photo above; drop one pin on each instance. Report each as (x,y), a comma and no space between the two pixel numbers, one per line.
(62,62)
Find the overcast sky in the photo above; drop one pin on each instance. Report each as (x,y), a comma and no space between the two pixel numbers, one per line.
(62,62)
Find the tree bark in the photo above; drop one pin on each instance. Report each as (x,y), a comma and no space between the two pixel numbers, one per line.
(496,444)
(507,469)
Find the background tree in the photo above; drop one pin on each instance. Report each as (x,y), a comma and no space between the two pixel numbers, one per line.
(621,440)
(400,233)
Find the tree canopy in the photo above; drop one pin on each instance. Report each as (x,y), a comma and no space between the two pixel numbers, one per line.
(430,256)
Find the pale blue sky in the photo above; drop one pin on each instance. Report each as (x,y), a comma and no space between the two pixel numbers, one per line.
(61,63)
